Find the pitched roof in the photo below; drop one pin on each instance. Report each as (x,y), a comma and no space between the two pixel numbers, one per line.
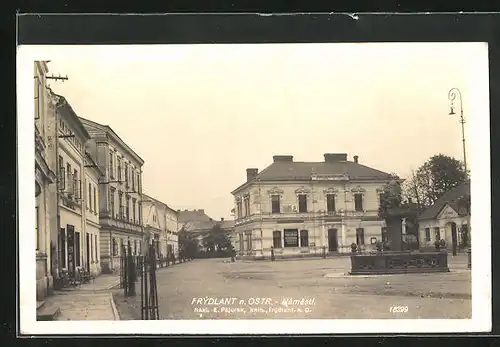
(195,220)
(283,170)
(451,197)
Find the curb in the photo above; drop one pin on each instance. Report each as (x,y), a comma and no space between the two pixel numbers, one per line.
(113,306)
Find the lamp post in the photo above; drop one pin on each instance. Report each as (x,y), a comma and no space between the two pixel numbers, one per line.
(452,95)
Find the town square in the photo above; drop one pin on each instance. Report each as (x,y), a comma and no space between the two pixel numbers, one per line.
(215,186)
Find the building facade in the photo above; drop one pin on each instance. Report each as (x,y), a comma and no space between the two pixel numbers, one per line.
(447,219)
(78,229)
(45,181)
(120,188)
(300,208)
(161,222)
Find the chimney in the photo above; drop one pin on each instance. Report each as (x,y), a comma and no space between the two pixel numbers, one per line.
(356,159)
(201,211)
(222,219)
(251,174)
(285,158)
(335,157)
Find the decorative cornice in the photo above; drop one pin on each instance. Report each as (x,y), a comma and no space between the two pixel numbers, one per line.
(275,191)
(302,191)
(358,189)
(330,191)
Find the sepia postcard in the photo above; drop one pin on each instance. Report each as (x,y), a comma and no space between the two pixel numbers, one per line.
(254,188)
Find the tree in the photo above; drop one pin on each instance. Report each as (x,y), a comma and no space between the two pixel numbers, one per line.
(436,176)
(188,245)
(217,240)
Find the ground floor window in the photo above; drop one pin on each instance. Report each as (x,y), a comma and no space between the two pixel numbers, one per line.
(291,237)
(304,238)
(427,234)
(113,247)
(249,242)
(360,236)
(277,239)
(95,247)
(37,228)
(241,242)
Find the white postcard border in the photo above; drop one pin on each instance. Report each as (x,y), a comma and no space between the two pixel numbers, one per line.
(477,117)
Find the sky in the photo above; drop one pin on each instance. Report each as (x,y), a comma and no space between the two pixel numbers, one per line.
(200,115)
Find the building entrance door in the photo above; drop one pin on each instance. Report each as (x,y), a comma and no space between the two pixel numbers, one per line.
(454,239)
(87,246)
(333,244)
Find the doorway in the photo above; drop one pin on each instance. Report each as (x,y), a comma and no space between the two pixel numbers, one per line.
(333,245)
(87,246)
(454,238)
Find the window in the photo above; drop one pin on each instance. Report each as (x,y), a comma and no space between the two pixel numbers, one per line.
(112,202)
(95,201)
(133,179)
(304,238)
(62,176)
(427,234)
(77,248)
(277,239)
(437,233)
(114,250)
(275,204)
(291,238)
(76,184)
(238,206)
(249,241)
(247,205)
(358,202)
(119,169)
(133,210)
(126,174)
(95,247)
(302,203)
(91,246)
(121,213)
(138,181)
(90,197)
(111,166)
(330,203)
(360,236)
(139,208)
(38,100)
(37,230)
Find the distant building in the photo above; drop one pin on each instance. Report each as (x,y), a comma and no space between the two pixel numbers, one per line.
(120,189)
(45,182)
(446,219)
(161,221)
(198,224)
(301,207)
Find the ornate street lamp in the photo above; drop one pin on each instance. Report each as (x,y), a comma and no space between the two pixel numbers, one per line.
(452,95)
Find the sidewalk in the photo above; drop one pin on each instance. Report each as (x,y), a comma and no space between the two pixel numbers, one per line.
(90,301)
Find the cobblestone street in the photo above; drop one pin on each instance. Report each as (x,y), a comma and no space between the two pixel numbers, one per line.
(439,295)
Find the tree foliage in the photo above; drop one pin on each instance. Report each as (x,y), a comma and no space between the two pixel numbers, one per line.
(217,240)
(188,245)
(436,176)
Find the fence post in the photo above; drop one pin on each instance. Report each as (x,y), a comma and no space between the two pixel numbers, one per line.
(131,275)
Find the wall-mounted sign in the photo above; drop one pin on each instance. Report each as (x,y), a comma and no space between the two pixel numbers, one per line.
(291,237)
(373,240)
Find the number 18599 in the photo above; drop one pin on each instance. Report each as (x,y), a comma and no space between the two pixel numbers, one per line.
(398,309)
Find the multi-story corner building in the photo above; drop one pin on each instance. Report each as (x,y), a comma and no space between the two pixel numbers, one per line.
(120,188)
(45,181)
(301,207)
(77,194)
(447,219)
(161,222)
